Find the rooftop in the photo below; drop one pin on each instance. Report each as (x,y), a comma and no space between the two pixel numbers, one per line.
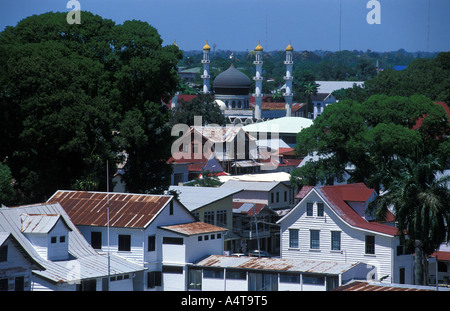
(125,209)
(250,185)
(197,197)
(194,228)
(289,125)
(275,264)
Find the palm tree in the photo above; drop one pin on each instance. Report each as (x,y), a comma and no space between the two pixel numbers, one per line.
(309,89)
(421,204)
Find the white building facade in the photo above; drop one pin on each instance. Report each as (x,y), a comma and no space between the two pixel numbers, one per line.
(329,224)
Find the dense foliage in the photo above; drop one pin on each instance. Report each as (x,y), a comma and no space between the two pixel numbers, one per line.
(74,96)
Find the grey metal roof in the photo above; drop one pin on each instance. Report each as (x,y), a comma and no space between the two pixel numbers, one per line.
(251,185)
(84,262)
(276,264)
(197,197)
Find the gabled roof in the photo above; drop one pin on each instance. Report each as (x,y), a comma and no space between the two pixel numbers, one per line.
(125,209)
(280,125)
(197,197)
(251,185)
(334,197)
(194,228)
(39,223)
(91,264)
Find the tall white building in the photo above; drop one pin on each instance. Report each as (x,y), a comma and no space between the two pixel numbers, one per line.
(258,81)
(288,96)
(206,61)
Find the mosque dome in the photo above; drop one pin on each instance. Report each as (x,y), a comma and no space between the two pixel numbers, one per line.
(289,47)
(232,82)
(259,47)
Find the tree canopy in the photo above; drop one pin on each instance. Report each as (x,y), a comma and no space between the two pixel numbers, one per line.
(74,96)
(362,139)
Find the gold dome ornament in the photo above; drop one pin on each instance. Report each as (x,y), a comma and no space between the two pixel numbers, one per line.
(206,47)
(259,47)
(175,43)
(289,47)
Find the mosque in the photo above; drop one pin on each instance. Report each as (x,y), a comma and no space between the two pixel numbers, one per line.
(231,88)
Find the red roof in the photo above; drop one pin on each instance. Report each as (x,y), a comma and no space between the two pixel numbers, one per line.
(444,256)
(303,192)
(334,196)
(420,120)
(125,210)
(258,207)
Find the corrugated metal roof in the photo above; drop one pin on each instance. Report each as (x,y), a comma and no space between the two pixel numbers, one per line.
(276,264)
(291,125)
(196,197)
(86,263)
(125,210)
(250,185)
(377,287)
(38,223)
(193,228)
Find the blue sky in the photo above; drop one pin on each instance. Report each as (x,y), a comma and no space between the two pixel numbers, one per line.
(239,24)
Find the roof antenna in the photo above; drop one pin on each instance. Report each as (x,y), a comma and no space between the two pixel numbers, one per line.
(107,221)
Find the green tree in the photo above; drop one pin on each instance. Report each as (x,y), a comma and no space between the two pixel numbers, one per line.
(362,139)
(6,187)
(202,105)
(65,89)
(421,204)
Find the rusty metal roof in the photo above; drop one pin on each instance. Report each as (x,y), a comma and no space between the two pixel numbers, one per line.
(276,264)
(125,210)
(376,287)
(193,228)
(38,223)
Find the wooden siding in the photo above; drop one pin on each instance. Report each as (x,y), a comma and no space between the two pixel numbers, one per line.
(352,239)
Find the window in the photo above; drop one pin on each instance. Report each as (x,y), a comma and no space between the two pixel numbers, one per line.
(320,209)
(309,209)
(219,236)
(172,269)
(213,273)
(335,240)
(19,284)
(153,279)
(293,238)
(173,241)
(209,217)
(370,244)
(124,243)
(400,250)
(222,218)
(314,239)
(151,243)
(236,274)
(3,284)
(200,238)
(62,239)
(285,196)
(271,197)
(313,279)
(3,253)
(206,237)
(53,239)
(278,197)
(171,207)
(195,278)
(290,278)
(96,240)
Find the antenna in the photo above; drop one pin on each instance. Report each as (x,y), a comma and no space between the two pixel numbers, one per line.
(107,221)
(340,23)
(267,41)
(428,30)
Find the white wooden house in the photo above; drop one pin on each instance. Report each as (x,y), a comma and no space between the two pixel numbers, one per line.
(61,258)
(16,265)
(330,223)
(155,231)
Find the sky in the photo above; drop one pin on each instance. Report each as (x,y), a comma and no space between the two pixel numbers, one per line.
(238,25)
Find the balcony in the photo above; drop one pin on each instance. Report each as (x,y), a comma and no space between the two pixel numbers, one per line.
(258,62)
(206,61)
(288,94)
(288,62)
(258,78)
(288,78)
(205,76)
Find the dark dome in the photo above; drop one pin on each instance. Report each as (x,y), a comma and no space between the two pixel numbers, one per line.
(232,82)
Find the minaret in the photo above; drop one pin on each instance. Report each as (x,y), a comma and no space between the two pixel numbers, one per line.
(205,62)
(258,81)
(289,62)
